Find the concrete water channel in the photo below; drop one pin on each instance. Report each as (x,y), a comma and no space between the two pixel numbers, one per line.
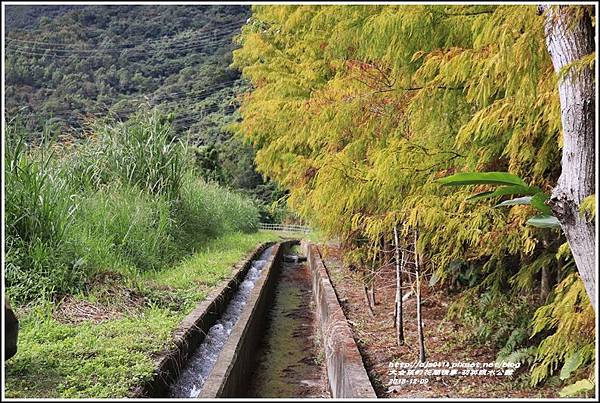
(274,330)
(290,359)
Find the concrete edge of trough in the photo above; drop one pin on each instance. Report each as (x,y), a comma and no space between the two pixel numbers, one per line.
(229,375)
(346,372)
(192,329)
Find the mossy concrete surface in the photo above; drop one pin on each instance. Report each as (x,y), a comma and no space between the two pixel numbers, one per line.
(346,372)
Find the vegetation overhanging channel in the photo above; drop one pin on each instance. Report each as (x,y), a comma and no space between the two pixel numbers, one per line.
(440,157)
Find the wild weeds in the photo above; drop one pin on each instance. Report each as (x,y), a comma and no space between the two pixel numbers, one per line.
(124,200)
(144,152)
(39,213)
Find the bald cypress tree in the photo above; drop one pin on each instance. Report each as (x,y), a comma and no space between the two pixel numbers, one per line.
(359,110)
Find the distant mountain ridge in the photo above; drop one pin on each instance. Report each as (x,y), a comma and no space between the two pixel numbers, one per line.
(28,16)
(108,59)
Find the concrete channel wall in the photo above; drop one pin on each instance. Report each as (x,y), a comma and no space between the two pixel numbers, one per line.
(229,377)
(190,332)
(346,373)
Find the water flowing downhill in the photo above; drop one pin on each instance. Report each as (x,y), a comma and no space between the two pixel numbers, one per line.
(201,363)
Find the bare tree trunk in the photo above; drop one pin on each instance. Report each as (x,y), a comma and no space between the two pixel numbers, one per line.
(422,356)
(559,271)
(365,280)
(569,37)
(546,277)
(372,293)
(372,279)
(368,301)
(398,320)
(545,284)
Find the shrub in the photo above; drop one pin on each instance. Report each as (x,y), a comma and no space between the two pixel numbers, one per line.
(240,213)
(143,152)
(569,318)
(207,210)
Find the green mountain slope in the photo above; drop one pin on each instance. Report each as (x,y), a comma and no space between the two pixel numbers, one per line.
(72,65)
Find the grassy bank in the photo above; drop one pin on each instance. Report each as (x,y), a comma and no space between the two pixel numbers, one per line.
(128,199)
(100,343)
(110,241)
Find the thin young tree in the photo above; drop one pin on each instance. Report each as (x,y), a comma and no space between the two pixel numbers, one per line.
(422,355)
(398,319)
(367,279)
(374,269)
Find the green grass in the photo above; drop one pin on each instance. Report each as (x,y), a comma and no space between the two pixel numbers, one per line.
(127,199)
(106,360)
(194,277)
(86,360)
(118,228)
(316,236)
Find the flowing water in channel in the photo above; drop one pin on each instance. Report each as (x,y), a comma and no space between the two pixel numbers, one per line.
(201,363)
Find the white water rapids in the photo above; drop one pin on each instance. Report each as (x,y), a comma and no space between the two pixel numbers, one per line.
(201,363)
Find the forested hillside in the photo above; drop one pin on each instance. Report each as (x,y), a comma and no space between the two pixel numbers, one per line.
(67,67)
(27,17)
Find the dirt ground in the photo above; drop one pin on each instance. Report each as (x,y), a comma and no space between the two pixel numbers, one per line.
(375,337)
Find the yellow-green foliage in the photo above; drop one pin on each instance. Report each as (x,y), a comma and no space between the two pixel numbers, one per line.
(570,318)
(357,110)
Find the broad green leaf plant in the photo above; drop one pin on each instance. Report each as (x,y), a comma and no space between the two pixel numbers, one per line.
(507,185)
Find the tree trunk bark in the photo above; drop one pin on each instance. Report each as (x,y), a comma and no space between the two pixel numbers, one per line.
(374,271)
(372,293)
(368,301)
(546,276)
(365,283)
(398,320)
(569,37)
(545,284)
(422,356)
